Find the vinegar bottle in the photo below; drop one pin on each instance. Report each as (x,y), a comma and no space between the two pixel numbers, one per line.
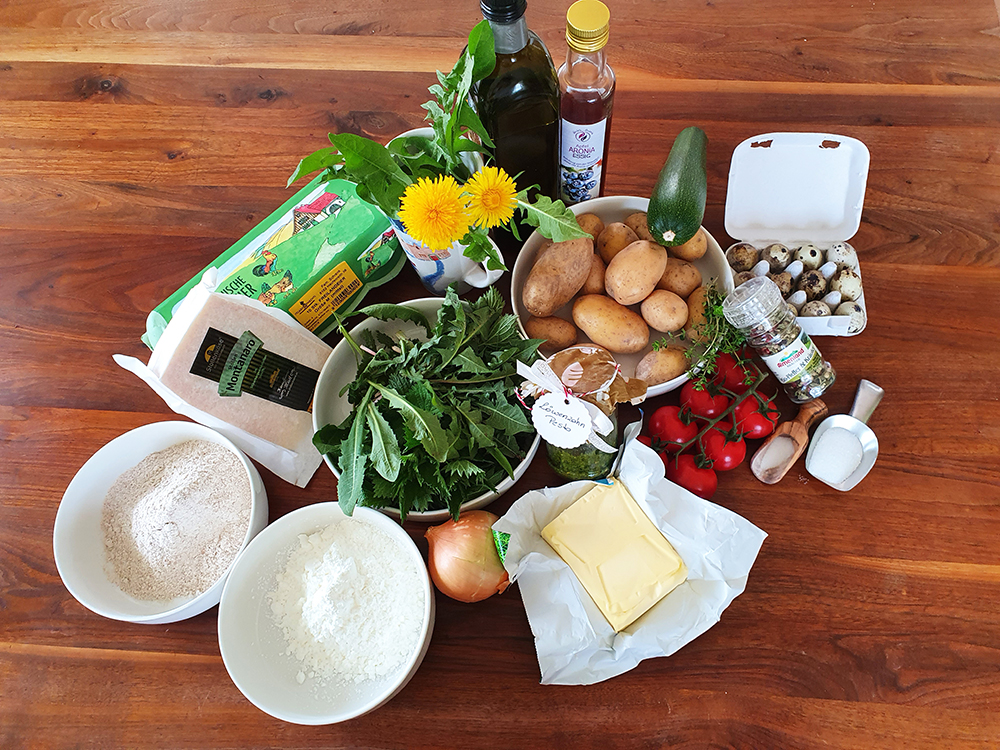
(587,88)
(518,102)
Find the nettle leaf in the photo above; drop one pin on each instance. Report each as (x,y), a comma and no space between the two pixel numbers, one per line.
(385,454)
(462,468)
(552,218)
(387,311)
(420,394)
(425,426)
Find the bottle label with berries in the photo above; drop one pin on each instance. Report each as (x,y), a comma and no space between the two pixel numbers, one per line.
(581,158)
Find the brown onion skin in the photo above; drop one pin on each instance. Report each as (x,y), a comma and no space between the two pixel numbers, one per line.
(463,577)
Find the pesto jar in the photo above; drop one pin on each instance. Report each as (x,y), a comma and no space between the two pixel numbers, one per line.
(585,461)
(757,308)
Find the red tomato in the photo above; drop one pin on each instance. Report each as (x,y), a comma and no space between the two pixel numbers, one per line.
(755,420)
(666,425)
(724,453)
(645,440)
(683,471)
(702,402)
(730,374)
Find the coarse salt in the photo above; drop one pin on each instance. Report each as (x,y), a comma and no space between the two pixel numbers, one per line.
(837,455)
(350,603)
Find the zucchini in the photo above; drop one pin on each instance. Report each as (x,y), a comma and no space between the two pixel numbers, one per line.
(677,204)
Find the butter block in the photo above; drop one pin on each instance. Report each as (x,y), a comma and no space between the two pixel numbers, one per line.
(616,552)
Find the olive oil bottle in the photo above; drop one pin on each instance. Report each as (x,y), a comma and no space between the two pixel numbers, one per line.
(518,102)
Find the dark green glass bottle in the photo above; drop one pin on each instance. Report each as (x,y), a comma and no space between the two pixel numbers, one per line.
(518,102)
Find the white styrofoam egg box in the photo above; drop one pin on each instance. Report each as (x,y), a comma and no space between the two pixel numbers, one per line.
(798,189)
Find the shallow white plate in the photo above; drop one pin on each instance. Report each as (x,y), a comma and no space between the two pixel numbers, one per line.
(615,208)
(329,407)
(253,646)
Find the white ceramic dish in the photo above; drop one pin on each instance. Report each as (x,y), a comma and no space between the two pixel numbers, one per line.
(78,542)
(340,368)
(615,208)
(253,646)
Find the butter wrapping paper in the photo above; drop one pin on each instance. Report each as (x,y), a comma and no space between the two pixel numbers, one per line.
(574,642)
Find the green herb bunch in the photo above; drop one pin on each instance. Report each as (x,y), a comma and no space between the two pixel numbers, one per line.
(383,173)
(434,423)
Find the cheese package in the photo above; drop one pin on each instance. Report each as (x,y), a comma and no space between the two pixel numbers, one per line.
(616,552)
(244,369)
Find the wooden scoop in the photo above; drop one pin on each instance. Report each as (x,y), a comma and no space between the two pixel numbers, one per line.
(775,457)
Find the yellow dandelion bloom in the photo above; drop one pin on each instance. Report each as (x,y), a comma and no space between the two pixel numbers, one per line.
(491,194)
(434,212)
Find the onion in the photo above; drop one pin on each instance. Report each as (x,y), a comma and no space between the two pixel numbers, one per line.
(463,559)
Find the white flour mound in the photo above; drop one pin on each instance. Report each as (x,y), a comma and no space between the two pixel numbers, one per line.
(350,602)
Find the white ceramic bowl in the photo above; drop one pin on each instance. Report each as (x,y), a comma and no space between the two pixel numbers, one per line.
(329,407)
(615,208)
(253,645)
(78,542)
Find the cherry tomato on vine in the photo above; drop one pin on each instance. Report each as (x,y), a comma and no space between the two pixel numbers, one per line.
(702,402)
(730,374)
(725,453)
(684,471)
(755,420)
(645,440)
(666,425)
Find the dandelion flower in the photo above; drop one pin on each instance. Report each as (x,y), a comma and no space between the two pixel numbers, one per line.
(434,212)
(491,194)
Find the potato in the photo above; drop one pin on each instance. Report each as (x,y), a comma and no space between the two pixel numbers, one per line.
(615,238)
(557,333)
(680,277)
(693,249)
(591,224)
(696,314)
(637,223)
(661,365)
(557,276)
(610,325)
(664,311)
(595,282)
(634,272)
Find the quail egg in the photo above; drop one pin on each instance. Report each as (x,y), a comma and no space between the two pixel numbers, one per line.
(843,255)
(742,277)
(848,283)
(810,255)
(815,309)
(777,256)
(783,282)
(742,256)
(812,283)
(857,314)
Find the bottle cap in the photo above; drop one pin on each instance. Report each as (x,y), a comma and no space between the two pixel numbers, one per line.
(752,302)
(503,11)
(587,23)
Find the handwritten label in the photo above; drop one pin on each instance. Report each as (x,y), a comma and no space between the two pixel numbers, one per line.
(562,421)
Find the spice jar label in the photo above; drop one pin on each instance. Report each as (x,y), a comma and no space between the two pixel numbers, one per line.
(795,359)
(561,420)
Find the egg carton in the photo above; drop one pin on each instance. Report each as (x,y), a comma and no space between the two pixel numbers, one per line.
(803,192)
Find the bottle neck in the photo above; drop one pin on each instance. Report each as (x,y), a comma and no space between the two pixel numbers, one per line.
(585,68)
(509,38)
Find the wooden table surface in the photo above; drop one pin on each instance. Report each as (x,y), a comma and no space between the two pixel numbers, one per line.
(139,140)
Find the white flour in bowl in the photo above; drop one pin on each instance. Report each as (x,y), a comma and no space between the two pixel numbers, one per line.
(350,602)
(175,521)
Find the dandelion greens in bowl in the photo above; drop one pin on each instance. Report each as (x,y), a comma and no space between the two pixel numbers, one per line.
(434,419)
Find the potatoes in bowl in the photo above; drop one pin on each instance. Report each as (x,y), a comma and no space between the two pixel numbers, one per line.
(678,277)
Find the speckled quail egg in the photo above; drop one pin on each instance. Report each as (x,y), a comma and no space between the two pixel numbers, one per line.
(810,255)
(777,256)
(783,282)
(812,283)
(815,309)
(742,277)
(792,309)
(857,314)
(848,283)
(742,256)
(843,255)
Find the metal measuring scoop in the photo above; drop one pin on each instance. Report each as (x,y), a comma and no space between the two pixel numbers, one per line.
(832,448)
